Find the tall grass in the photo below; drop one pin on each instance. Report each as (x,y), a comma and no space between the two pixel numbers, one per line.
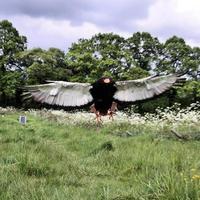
(59,155)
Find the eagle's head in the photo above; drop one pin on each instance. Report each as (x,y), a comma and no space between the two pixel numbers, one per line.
(106,80)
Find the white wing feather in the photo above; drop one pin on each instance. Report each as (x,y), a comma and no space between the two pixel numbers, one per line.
(140,89)
(62,93)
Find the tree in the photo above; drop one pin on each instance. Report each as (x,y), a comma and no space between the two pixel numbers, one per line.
(102,55)
(81,61)
(11,44)
(143,49)
(42,65)
(191,92)
(175,56)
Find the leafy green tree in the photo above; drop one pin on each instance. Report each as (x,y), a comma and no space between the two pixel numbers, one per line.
(11,44)
(42,65)
(81,61)
(102,55)
(175,56)
(190,91)
(194,65)
(143,49)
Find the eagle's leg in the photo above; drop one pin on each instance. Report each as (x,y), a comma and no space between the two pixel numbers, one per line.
(110,114)
(112,110)
(98,117)
(97,113)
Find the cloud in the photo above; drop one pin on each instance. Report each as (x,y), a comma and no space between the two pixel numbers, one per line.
(48,23)
(173,17)
(112,13)
(47,33)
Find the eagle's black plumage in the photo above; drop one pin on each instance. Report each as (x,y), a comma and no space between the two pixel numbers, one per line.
(102,94)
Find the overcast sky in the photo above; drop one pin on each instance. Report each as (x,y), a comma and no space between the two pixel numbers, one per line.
(58,23)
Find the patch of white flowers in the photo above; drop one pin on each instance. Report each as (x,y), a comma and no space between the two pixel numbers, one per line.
(173,116)
(7,110)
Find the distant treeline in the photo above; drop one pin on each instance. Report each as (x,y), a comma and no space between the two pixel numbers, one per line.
(102,55)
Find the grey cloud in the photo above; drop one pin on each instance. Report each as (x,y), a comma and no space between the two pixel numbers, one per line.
(111,13)
(42,8)
(180,30)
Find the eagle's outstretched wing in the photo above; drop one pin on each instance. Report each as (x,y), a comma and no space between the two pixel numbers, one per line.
(140,89)
(61,93)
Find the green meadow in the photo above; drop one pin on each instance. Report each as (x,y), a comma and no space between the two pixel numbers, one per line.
(49,160)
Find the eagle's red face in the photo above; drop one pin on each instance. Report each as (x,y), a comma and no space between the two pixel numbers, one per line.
(106,80)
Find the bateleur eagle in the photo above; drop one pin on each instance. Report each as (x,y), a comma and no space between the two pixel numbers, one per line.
(104,94)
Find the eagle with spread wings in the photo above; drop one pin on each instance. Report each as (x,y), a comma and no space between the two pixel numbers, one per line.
(104,94)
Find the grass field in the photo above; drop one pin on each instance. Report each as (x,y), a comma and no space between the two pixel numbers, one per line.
(53,157)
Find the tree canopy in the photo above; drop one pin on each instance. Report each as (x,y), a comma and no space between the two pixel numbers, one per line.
(11,44)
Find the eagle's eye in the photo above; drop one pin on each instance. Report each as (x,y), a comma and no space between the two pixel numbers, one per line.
(106,80)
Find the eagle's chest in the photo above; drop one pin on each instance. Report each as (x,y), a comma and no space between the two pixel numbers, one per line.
(103,92)
(103,96)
